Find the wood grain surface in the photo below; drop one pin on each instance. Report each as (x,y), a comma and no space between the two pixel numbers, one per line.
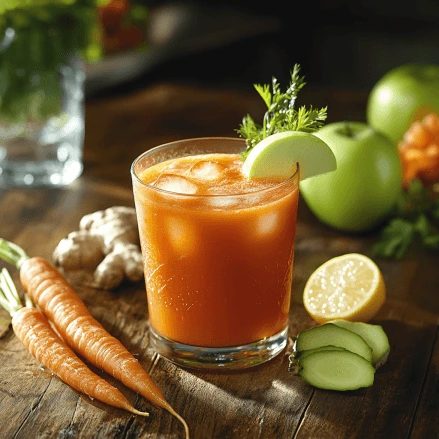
(265,402)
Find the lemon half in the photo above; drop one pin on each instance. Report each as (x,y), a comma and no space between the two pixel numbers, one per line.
(349,287)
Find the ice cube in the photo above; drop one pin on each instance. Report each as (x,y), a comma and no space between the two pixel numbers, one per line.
(223,202)
(267,224)
(206,170)
(175,183)
(181,235)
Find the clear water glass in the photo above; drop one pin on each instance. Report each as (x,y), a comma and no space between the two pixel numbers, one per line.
(46,152)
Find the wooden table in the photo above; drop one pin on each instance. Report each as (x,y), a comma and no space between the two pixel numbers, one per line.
(264,402)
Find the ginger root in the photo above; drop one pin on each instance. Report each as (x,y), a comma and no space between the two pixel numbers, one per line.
(104,251)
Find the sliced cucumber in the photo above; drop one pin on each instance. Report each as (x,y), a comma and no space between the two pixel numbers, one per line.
(335,370)
(295,356)
(303,354)
(374,336)
(331,334)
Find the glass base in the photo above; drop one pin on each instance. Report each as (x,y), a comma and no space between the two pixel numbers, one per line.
(227,358)
(36,154)
(40,175)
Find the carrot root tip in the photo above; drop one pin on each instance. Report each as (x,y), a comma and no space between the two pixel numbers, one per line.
(138,412)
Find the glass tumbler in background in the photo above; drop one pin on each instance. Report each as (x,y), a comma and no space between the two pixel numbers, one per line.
(41,108)
(218,262)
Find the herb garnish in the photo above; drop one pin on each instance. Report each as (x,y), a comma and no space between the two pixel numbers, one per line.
(281,115)
(416,219)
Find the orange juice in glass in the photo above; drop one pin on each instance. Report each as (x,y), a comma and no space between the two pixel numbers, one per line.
(218,252)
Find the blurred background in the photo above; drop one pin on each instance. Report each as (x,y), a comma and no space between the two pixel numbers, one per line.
(339,43)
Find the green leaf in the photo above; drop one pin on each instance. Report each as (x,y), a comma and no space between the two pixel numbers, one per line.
(428,232)
(435,210)
(432,242)
(416,219)
(264,92)
(395,240)
(281,114)
(423,226)
(414,201)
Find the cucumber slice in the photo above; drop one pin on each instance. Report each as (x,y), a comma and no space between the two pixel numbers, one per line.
(303,354)
(330,334)
(336,370)
(374,336)
(295,356)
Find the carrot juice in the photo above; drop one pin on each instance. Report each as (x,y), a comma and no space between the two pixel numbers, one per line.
(218,253)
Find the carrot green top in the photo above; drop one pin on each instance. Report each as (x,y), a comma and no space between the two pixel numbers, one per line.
(12,253)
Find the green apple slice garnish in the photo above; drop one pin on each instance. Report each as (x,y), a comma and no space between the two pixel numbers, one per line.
(276,156)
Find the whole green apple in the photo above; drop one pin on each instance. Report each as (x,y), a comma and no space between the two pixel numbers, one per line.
(361,193)
(403,95)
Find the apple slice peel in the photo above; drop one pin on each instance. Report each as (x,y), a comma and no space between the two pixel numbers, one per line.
(277,156)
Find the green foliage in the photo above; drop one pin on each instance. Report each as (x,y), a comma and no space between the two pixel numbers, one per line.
(416,219)
(281,114)
(10,5)
(36,38)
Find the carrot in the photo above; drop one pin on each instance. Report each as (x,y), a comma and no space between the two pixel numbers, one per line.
(56,298)
(33,329)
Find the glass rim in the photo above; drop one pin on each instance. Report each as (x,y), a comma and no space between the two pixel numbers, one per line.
(163,146)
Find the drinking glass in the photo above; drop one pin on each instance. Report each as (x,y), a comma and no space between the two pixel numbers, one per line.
(41,98)
(218,268)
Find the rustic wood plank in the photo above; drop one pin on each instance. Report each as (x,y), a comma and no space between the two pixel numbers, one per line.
(425,422)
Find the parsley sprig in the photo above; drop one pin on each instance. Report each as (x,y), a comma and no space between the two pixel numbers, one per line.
(281,114)
(415,220)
